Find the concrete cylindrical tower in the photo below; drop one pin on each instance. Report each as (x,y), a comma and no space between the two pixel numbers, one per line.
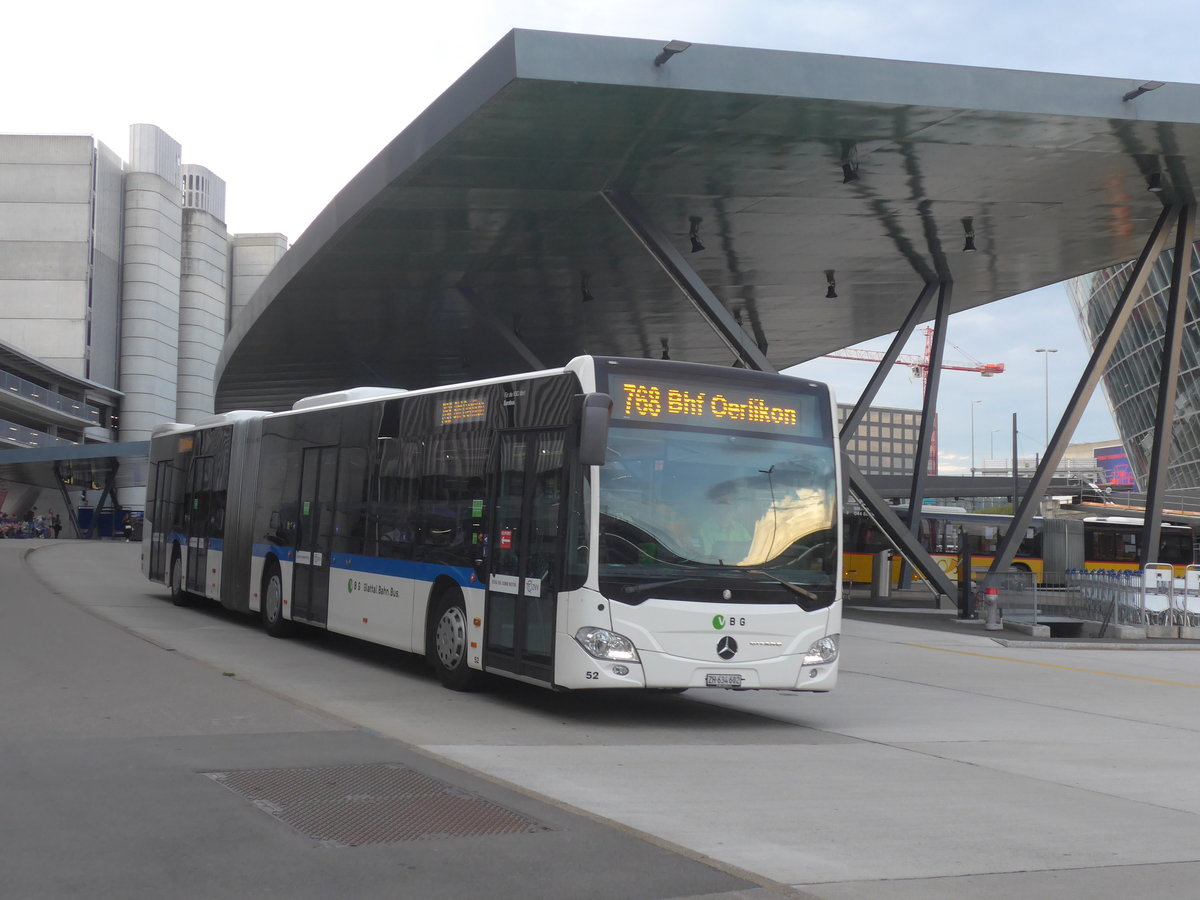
(150,283)
(204,289)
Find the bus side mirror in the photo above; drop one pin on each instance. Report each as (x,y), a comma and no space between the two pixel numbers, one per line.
(593,428)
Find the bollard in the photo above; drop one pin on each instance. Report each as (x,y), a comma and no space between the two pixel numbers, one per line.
(992,599)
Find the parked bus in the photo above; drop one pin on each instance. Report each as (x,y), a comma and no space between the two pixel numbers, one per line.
(1049,548)
(613,523)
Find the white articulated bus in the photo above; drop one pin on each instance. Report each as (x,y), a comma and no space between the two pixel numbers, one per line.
(614,523)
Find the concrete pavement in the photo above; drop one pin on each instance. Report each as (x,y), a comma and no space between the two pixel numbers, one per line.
(108,732)
(944,765)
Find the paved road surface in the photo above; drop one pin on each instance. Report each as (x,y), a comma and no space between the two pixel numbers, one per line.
(944,766)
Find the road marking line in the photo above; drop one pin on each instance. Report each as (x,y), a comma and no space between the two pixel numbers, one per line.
(1027,662)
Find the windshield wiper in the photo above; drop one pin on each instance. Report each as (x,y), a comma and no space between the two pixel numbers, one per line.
(794,588)
(650,585)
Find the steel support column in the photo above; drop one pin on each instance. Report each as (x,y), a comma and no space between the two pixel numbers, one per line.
(896,529)
(72,517)
(686,279)
(718,317)
(106,492)
(929,407)
(1168,383)
(889,359)
(1083,391)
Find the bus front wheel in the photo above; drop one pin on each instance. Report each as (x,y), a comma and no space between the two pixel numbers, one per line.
(272,604)
(449,646)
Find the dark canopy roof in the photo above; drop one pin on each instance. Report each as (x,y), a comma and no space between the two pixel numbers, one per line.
(497,187)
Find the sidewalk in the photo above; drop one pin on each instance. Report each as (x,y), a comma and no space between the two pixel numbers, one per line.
(916,609)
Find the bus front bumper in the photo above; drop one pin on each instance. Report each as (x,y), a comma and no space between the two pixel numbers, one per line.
(657,670)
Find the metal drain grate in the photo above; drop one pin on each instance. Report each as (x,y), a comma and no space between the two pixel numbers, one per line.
(347,806)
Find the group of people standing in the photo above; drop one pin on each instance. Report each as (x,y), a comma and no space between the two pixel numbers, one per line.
(32,525)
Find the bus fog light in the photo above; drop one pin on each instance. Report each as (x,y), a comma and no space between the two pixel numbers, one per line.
(823,651)
(604,644)
(812,673)
(620,670)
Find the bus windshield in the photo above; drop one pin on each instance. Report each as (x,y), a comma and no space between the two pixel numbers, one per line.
(674,501)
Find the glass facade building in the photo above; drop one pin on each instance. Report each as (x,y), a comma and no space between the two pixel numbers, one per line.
(1132,378)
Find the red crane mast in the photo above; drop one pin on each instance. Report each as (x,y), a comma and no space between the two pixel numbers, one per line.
(920,367)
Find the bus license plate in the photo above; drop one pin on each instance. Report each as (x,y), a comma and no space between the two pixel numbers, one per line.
(723,679)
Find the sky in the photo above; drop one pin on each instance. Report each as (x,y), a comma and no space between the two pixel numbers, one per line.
(287,102)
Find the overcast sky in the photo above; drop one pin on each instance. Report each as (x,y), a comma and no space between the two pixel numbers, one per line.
(287,102)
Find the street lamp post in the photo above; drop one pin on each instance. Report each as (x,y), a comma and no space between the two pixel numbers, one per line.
(973,402)
(1047,351)
(992,444)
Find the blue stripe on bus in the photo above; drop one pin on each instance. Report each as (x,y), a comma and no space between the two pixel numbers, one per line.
(262,550)
(403,568)
(178,537)
(376,565)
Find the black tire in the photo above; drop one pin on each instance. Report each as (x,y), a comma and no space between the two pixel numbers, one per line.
(175,580)
(449,645)
(272,603)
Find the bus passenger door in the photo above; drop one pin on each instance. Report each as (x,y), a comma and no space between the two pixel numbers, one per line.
(314,537)
(524,556)
(197,529)
(160,523)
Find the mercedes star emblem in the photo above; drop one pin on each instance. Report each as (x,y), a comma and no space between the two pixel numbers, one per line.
(727,648)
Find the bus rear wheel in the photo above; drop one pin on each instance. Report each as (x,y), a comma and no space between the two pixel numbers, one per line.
(175,581)
(272,604)
(449,645)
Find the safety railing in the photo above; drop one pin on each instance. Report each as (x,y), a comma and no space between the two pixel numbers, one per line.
(1154,598)
(13,434)
(1189,606)
(1018,596)
(18,386)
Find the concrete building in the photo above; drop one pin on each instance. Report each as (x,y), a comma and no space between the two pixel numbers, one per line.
(886,440)
(118,284)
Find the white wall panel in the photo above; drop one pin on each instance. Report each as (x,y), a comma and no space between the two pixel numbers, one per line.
(26,299)
(46,149)
(42,183)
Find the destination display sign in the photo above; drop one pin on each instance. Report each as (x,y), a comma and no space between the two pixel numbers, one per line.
(467,409)
(714,404)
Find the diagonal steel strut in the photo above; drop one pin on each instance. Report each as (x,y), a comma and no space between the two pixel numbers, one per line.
(1083,391)
(1167,385)
(686,279)
(897,530)
(850,425)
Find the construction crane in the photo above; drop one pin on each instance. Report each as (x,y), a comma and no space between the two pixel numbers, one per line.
(920,368)
(920,364)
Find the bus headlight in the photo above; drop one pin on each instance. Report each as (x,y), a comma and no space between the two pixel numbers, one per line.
(604,644)
(823,651)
